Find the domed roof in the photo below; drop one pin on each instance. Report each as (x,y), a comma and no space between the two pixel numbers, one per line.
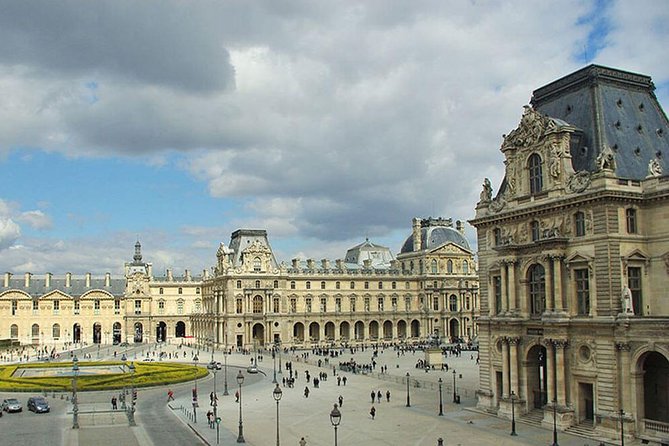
(434,236)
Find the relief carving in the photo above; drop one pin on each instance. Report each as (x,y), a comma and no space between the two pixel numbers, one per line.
(654,168)
(578,182)
(486,193)
(606,160)
(533,126)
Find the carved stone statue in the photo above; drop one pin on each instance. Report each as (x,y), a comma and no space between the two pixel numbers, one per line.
(606,160)
(554,167)
(486,193)
(654,168)
(628,306)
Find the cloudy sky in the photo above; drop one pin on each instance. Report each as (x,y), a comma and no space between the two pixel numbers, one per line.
(324,122)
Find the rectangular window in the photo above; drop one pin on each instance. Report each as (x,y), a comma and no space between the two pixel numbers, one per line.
(393,285)
(497,289)
(634,284)
(393,302)
(56,307)
(352,285)
(338,285)
(407,303)
(435,303)
(380,303)
(35,306)
(96,306)
(353,304)
(138,306)
(324,305)
(630,216)
(380,285)
(497,233)
(275,306)
(180,307)
(293,305)
(308,305)
(14,307)
(292,284)
(77,307)
(322,285)
(366,303)
(338,304)
(117,306)
(366,285)
(238,306)
(161,307)
(308,285)
(534,230)
(579,224)
(582,291)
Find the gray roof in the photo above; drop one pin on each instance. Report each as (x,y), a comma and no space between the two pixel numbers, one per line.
(242,238)
(77,286)
(379,255)
(613,108)
(435,236)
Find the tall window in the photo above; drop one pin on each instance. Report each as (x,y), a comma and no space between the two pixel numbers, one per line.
(449,266)
(380,303)
(534,230)
(117,306)
(322,285)
(308,285)
(55,331)
(161,290)
(366,303)
(380,285)
(181,290)
(257,304)
(537,284)
(366,285)
(433,266)
(276,284)
(338,285)
(407,303)
(497,235)
(161,307)
(453,302)
(435,303)
(239,284)
(292,284)
(308,304)
(352,285)
(77,306)
(14,331)
(536,179)
(275,305)
(579,224)
(35,306)
(96,306)
(239,305)
(293,305)
(338,304)
(630,217)
(497,289)
(324,304)
(257,284)
(352,304)
(393,302)
(138,307)
(180,306)
(634,284)
(15,307)
(256,264)
(465,267)
(393,285)
(56,306)
(582,291)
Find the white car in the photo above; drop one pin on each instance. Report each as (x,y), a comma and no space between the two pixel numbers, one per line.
(11,405)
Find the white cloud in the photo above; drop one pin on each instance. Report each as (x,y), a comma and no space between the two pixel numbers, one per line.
(9,232)
(36,219)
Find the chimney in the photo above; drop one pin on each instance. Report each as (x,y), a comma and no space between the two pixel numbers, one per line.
(394,264)
(47,280)
(27,280)
(325,264)
(340,264)
(188,278)
(68,279)
(417,245)
(88,280)
(150,269)
(367,263)
(459,225)
(169,275)
(107,279)
(7,277)
(296,263)
(310,263)
(205,274)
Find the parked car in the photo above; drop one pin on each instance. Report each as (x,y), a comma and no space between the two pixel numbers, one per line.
(38,404)
(218,366)
(11,405)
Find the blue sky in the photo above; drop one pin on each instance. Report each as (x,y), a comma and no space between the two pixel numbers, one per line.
(178,122)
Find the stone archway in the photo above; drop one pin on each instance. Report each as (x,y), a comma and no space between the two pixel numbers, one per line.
(359,331)
(258,334)
(401,329)
(298,332)
(139,333)
(373,331)
(330,331)
(97,333)
(387,330)
(76,333)
(161,332)
(415,328)
(344,331)
(536,375)
(454,329)
(314,332)
(180,330)
(655,377)
(116,333)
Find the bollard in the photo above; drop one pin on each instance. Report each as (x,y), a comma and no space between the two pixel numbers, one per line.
(440,441)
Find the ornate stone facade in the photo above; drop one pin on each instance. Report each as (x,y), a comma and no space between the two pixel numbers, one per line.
(573,262)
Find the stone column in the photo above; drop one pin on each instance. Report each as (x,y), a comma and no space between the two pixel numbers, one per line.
(505,368)
(550,369)
(513,345)
(512,287)
(625,377)
(557,271)
(550,292)
(561,381)
(505,303)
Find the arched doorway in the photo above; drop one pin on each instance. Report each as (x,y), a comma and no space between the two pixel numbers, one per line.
(454,329)
(161,331)
(359,331)
(373,331)
(314,332)
(330,331)
(180,331)
(97,333)
(344,331)
(387,330)
(655,386)
(35,333)
(76,333)
(536,372)
(298,332)
(401,329)
(258,334)
(415,329)
(139,332)
(116,333)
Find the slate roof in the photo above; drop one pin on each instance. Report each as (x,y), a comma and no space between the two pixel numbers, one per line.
(435,236)
(613,108)
(77,286)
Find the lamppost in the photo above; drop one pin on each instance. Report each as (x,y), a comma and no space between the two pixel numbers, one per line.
(212,367)
(274,364)
(278,348)
(441,402)
(622,429)
(123,360)
(225,359)
(195,359)
(455,393)
(277,394)
(75,404)
(335,419)
(408,400)
(555,438)
(240,381)
(131,409)
(513,414)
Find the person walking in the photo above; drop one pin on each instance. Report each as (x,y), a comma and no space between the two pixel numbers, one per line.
(388,396)
(303,442)
(344,380)
(306,392)
(237,396)
(341,401)
(113,403)
(372,412)
(170,395)
(373,395)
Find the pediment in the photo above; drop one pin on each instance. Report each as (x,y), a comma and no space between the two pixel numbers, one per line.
(15,294)
(450,248)
(637,254)
(56,295)
(96,294)
(579,258)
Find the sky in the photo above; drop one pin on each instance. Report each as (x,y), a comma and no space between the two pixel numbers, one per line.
(324,122)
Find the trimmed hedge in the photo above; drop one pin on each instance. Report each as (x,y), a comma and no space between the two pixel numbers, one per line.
(147,374)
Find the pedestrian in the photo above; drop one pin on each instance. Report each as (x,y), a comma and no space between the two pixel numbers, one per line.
(388,396)
(341,401)
(378,397)
(339,380)
(303,442)
(209,415)
(306,392)
(344,380)
(170,395)
(237,396)
(373,394)
(113,403)
(372,412)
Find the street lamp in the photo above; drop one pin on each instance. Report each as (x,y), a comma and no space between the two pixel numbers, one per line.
(277,394)
(441,402)
(195,359)
(75,404)
(513,414)
(123,360)
(408,400)
(622,428)
(225,360)
(278,348)
(455,393)
(131,409)
(555,438)
(335,419)
(274,364)
(240,381)
(212,367)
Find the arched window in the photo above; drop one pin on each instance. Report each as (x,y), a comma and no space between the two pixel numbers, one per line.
(453,302)
(55,331)
(160,290)
(537,285)
(256,264)
(181,290)
(449,266)
(257,304)
(292,284)
(257,284)
(14,331)
(434,266)
(536,179)
(465,267)
(35,331)
(308,285)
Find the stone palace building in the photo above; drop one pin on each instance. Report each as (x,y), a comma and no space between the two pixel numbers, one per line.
(249,299)
(574,261)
